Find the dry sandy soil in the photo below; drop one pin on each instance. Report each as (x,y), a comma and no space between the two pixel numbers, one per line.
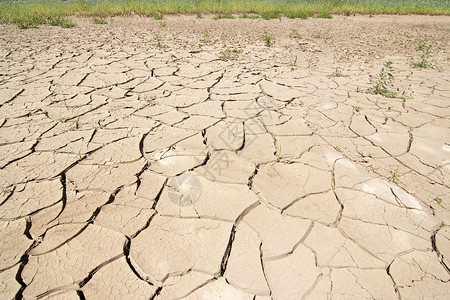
(137,164)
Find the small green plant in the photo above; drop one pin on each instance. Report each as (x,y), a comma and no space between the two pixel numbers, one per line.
(347,13)
(77,122)
(230,54)
(395,176)
(357,108)
(268,39)
(338,149)
(163,24)
(325,15)
(199,15)
(80,158)
(159,43)
(382,85)
(251,16)
(206,38)
(423,62)
(439,201)
(280,156)
(224,16)
(267,15)
(61,22)
(294,34)
(158,16)
(46,114)
(337,73)
(99,21)
(370,155)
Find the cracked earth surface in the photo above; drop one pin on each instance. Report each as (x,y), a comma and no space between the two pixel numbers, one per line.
(132,169)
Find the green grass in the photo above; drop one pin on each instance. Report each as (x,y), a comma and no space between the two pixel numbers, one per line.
(325,15)
(298,14)
(99,21)
(32,13)
(267,15)
(33,22)
(224,16)
(249,16)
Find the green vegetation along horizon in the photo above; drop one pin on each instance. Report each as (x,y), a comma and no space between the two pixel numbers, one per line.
(29,13)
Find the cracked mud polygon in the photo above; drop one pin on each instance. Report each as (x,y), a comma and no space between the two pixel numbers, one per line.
(131,170)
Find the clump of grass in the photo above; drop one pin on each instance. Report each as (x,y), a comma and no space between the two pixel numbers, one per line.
(199,15)
(337,73)
(298,14)
(250,16)
(423,62)
(325,15)
(347,13)
(294,34)
(224,16)
(33,22)
(158,16)
(267,15)
(19,11)
(381,85)
(99,21)
(395,176)
(60,21)
(159,43)
(230,54)
(268,39)
(206,38)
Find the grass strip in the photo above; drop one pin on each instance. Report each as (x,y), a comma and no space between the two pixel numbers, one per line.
(35,12)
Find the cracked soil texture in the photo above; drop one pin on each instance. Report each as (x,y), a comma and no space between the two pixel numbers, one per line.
(146,159)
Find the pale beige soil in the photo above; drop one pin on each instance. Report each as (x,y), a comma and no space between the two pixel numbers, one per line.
(134,170)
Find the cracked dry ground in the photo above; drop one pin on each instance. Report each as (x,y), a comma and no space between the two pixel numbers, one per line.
(297,185)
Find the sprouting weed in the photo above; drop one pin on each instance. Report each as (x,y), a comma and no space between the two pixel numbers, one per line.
(294,34)
(395,176)
(423,62)
(357,108)
(268,39)
(337,73)
(382,85)
(159,43)
(230,54)
(439,201)
(206,38)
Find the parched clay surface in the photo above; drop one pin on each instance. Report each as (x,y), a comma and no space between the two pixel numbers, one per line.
(145,159)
